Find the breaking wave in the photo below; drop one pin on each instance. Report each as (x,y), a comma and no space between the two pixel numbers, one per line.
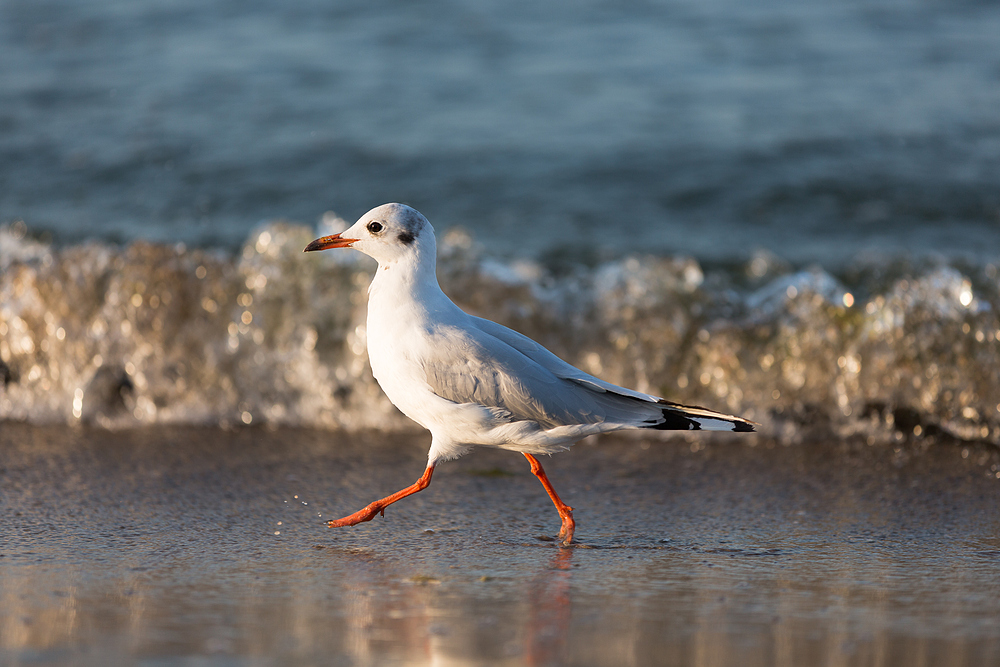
(888,349)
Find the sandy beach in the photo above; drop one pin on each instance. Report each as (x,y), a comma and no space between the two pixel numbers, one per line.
(204,546)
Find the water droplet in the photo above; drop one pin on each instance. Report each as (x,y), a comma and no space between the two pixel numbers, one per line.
(965,293)
(78,402)
(263,241)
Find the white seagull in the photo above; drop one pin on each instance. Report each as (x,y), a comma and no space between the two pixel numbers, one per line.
(472,382)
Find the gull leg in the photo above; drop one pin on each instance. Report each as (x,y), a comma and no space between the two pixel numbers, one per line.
(378,507)
(565,511)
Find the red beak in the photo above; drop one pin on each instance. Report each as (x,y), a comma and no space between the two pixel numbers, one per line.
(326,242)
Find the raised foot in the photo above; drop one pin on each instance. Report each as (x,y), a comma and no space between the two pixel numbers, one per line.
(367,514)
(378,507)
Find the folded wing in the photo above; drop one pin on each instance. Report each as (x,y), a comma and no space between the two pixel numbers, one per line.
(491,365)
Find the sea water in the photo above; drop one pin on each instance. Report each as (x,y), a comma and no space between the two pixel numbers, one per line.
(787,211)
(812,129)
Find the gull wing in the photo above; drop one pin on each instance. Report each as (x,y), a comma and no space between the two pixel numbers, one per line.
(469,365)
(491,365)
(552,363)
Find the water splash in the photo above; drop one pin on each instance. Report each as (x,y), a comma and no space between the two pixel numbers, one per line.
(152,333)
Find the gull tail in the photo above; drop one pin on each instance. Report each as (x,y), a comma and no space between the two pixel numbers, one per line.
(677,417)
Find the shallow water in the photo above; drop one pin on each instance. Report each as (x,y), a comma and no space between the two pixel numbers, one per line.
(203,546)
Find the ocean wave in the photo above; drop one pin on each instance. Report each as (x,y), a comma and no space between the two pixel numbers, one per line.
(886,350)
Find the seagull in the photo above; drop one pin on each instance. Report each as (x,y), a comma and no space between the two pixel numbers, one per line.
(475,383)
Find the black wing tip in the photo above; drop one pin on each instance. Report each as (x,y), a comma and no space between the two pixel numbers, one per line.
(676,422)
(673,420)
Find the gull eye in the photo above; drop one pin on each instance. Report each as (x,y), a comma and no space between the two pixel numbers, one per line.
(375,227)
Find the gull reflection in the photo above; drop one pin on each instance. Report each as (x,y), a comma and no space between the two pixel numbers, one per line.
(549,611)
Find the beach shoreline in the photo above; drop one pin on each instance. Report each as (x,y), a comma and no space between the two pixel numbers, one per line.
(172,544)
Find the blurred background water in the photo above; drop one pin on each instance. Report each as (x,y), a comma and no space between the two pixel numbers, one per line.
(787,209)
(810,128)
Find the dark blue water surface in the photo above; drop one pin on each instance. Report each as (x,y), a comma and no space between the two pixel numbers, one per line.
(813,128)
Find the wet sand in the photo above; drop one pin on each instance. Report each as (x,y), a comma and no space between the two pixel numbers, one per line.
(208,547)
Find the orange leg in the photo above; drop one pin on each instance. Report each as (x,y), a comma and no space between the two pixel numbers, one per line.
(565,511)
(378,507)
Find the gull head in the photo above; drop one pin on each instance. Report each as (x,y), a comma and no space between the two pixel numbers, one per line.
(387,233)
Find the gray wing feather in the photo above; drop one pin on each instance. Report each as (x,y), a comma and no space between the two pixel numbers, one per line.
(552,363)
(496,367)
